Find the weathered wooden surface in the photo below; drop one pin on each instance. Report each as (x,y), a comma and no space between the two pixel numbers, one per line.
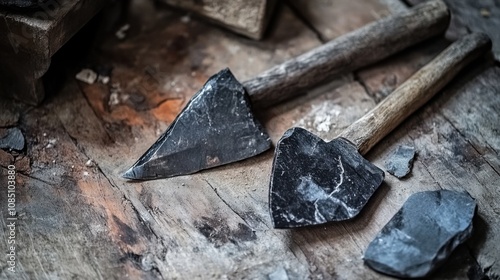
(86,222)
(249,18)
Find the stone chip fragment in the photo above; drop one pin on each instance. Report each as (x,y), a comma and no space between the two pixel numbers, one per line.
(11,139)
(400,162)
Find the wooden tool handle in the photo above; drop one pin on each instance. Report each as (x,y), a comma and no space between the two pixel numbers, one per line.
(416,91)
(349,52)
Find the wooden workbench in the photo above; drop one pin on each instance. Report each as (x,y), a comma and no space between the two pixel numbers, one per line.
(83,221)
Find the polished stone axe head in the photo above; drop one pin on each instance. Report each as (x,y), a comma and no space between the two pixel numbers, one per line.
(315,182)
(215,128)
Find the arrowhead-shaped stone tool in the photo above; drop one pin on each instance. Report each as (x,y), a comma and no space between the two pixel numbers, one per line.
(216,127)
(422,234)
(314,182)
(220,143)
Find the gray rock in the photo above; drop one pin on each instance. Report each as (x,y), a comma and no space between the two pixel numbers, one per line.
(315,182)
(400,162)
(422,234)
(11,139)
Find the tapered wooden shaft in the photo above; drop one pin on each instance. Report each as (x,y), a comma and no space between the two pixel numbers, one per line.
(349,52)
(416,91)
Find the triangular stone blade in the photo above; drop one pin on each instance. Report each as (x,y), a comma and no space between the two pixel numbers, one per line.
(215,128)
(422,234)
(314,182)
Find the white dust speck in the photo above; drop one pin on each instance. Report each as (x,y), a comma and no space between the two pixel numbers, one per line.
(122,32)
(321,117)
(89,163)
(185,19)
(87,76)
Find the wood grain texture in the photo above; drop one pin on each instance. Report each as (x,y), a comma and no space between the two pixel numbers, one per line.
(215,224)
(349,52)
(473,16)
(416,91)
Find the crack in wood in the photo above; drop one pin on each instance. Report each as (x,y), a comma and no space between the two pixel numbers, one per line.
(464,137)
(226,203)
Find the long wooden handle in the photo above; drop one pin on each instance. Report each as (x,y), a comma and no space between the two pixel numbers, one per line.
(416,91)
(349,52)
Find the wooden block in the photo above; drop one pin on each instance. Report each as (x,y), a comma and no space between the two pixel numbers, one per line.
(249,18)
(28,41)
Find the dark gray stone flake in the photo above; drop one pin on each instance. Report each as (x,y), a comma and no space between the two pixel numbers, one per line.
(422,234)
(314,182)
(216,127)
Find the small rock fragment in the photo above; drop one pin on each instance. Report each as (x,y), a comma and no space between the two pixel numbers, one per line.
(51,144)
(422,234)
(104,74)
(122,32)
(103,79)
(11,139)
(485,13)
(87,76)
(113,99)
(89,163)
(400,162)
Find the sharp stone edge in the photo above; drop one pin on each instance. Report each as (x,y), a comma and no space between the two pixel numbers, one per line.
(422,234)
(314,182)
(216,127)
